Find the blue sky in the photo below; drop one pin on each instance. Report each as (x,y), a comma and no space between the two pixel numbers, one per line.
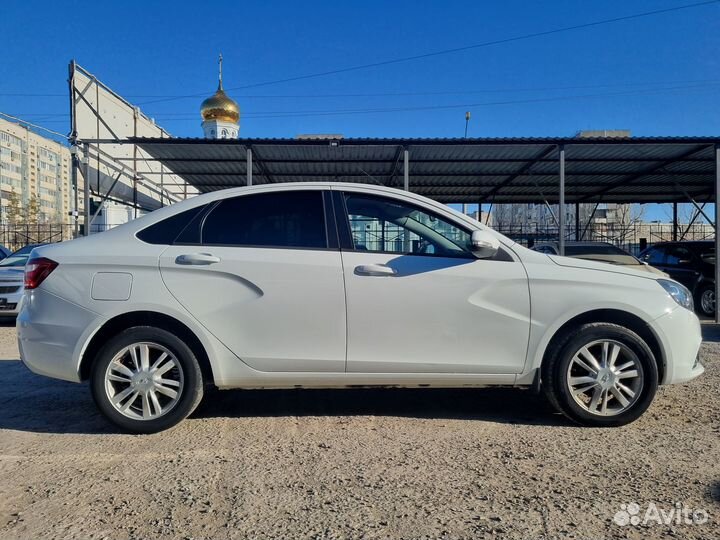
(656,75)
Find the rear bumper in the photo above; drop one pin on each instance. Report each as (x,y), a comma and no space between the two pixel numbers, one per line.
(681,337)
(49,330)
(10,303)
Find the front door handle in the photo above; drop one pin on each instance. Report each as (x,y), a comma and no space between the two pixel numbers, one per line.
(197,259)
(375,270)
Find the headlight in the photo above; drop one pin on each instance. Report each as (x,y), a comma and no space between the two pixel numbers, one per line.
(678,292)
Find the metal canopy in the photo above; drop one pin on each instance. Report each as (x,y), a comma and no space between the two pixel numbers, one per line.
(490,170)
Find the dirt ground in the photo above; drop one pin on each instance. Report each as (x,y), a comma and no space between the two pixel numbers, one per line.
(494,463)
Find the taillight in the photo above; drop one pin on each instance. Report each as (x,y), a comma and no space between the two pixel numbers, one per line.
(36,270)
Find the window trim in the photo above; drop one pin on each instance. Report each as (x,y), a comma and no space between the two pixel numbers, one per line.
(345,231)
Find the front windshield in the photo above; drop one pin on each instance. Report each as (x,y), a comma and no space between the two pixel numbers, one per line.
(708,255)
(15,260)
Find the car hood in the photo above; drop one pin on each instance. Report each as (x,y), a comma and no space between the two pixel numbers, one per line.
(623,261)
(603,267)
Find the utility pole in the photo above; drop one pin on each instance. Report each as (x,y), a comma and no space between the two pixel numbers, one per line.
(467,121)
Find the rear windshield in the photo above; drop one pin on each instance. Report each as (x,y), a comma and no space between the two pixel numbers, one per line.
(14,260)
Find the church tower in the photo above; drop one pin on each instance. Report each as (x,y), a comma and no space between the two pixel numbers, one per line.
(220,113)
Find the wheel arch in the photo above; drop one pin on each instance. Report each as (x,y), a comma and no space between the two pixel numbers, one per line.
(614,316)
(121,322)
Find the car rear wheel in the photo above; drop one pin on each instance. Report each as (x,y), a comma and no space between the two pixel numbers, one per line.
(146,380)
(600,374)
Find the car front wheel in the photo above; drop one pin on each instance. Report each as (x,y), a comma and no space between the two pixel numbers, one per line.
(146,380)
(600,374)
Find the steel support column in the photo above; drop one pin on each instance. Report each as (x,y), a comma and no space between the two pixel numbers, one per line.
(86,186)
(76,195)
(406,186)
(249,165)
(675,222)
(717,236)
(577,222)
(406,170)
(561,201)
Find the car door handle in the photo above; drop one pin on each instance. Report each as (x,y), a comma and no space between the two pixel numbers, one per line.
(197,259)
(375,270)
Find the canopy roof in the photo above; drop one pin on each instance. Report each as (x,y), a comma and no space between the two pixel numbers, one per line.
(499,170)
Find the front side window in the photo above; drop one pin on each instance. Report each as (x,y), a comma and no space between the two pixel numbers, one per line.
(387,225)
(678,255)
(293,219)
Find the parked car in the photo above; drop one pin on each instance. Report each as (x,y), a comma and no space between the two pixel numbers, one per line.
(690,263)
(598,251)
(12,270)
(4,252)
(321,285)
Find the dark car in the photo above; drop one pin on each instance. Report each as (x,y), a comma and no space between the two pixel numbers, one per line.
(25,250)
(690,263)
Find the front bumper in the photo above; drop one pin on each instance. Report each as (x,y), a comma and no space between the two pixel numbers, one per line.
(681,337)
(49,331)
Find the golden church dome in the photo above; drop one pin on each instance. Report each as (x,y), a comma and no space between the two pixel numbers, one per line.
(220,107)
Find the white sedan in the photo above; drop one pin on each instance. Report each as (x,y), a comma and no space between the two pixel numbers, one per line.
(338,285)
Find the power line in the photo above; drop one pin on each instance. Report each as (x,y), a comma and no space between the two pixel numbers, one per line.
(405,94)
(33,125)
(648,87)
(170,117)
(455,49)
(338,112)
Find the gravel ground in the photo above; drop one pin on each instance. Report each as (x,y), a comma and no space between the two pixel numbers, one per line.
(354,464)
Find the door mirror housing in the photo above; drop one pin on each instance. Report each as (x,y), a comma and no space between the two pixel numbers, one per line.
(484,245)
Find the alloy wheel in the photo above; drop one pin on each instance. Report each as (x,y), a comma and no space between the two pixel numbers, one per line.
(144,381)
(605,377)
(707,302)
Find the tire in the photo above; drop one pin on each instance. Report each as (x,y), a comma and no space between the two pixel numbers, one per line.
(705,299)
(145,361)
(564,375)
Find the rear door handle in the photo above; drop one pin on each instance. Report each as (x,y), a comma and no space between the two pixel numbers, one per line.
(375,270)
(197,259)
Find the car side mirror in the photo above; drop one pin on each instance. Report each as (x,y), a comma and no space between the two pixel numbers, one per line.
(483,244)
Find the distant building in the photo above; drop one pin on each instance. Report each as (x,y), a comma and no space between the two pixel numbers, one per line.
(220,114)
(32,165)
(609,216)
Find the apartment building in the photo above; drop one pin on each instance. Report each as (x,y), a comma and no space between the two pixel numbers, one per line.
(33,165)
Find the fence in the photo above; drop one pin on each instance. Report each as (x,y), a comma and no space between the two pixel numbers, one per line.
(15,236)
(632,238)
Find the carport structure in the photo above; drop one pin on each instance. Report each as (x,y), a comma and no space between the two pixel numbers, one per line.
(557,170)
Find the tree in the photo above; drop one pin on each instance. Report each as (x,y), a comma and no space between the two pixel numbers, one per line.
(32,211)
(13,210)
(626,221)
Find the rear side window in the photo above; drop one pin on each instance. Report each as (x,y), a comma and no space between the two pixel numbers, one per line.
(654,255)
(167,230)
(294,219)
